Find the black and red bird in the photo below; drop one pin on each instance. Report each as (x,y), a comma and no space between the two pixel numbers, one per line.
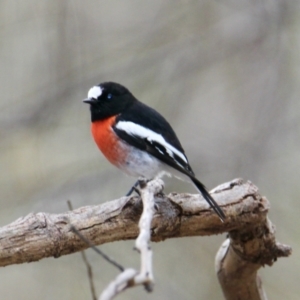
(137,139)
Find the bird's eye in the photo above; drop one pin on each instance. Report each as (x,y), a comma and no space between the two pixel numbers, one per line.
(109,96)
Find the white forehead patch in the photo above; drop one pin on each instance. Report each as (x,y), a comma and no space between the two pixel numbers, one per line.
(95,92)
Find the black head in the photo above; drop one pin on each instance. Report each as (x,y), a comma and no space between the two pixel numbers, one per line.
(108,99)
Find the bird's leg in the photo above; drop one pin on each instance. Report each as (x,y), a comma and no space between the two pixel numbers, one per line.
(140,182)
(133,188)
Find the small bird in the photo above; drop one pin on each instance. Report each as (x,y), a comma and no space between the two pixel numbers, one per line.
(137,139)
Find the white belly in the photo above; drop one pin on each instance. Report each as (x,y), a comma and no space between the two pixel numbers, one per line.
(141,164)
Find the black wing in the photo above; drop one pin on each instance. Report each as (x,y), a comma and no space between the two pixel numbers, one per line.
(141,114)
(171,159)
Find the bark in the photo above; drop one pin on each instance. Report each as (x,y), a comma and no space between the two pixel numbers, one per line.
(251,242)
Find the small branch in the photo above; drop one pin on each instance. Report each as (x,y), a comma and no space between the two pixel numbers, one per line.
(90,275)
(130,277)
(143,240)
(240,257)
(121,282)
(86,262)
(101,253)
(41,235)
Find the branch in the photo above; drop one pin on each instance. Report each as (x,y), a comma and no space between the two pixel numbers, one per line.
(86,262)
(40,235)
(130,277)
(240,257)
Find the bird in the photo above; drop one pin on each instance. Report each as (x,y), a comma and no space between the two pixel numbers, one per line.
(137,139)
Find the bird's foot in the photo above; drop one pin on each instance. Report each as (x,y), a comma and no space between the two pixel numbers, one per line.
(141,182)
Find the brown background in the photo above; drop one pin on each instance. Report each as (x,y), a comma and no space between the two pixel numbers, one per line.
(224,73)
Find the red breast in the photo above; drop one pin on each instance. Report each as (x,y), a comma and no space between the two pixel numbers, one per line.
(108,142)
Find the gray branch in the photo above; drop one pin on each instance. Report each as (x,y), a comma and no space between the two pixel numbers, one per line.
(251,243)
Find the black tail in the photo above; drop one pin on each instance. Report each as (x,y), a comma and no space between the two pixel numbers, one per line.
(209,198)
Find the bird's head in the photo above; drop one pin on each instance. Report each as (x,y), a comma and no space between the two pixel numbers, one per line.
(108,99)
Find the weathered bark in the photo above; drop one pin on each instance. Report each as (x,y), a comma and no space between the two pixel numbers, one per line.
(41,235)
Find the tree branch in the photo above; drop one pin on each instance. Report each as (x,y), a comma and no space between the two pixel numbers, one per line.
(130,277)
(40,235)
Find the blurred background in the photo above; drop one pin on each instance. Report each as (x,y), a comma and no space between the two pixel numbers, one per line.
(224,73)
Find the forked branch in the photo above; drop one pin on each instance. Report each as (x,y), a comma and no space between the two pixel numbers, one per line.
(251,241)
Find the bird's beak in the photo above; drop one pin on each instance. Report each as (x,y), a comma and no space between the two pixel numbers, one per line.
(89,100)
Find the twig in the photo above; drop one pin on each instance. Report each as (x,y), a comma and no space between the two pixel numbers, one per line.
(121,282)
(90,275)
(130,277)
(85,260)
(97,250)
